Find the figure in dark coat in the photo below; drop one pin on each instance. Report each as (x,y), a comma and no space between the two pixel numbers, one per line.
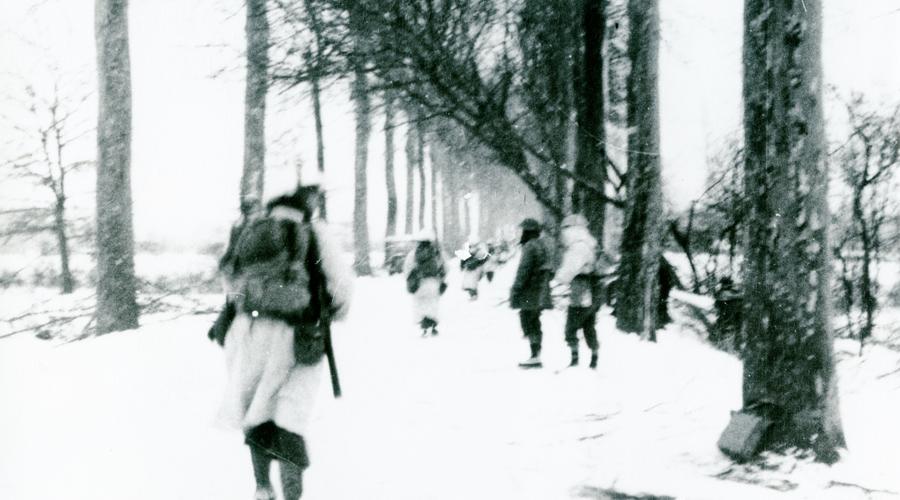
(530,291)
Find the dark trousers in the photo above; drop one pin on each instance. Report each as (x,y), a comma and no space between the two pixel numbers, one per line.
(531,325)
(582,318)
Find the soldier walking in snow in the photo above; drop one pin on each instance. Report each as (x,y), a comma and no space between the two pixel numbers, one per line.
(424,270)
(530,292)
(285,277)
(577,272)
(473,267)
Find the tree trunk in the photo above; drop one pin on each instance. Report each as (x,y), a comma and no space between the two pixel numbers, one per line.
(117,307)
(360,204)
(788,361)
(638,288)
(450,195)
(391,227)
(865,288)
(314,59)
(434,190)
(590,160)
(420,168)
(411,149)
(320,142)
(59,226)
(253,176)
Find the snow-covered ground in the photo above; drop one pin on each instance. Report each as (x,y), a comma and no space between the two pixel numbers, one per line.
(130,415)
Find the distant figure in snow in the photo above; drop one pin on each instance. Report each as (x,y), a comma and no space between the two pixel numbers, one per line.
(274,348)
(530,292)
(577,271)
(492,262)
(472,266)
(425,272)
(668,279)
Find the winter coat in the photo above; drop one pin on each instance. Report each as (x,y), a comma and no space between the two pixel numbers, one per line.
(427,298)
(471,277)
(531,287)
(576,269)
(473,268)
(492,264)
(264,382)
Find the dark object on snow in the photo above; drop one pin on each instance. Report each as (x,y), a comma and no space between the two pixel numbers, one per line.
(741,438)
(729,306)
(668,279)
(412,281)
(278,444)
(222,323)
(428,324)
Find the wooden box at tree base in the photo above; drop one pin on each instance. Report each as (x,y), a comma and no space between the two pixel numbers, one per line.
(742,437)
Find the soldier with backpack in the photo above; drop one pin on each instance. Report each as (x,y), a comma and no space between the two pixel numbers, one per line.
(285,281)
(530,292)
(578,272)
(425,273)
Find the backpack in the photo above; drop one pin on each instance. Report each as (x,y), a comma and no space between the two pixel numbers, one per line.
(428,262)
(269,268)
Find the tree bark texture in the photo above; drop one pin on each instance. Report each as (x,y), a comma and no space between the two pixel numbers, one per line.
(420,169)
(788,359)
(390,181)
(449,172)
(320,142)
(59,225)
(642,234)
(253,176)
(434,190)
(590,160)
(361,102)
(117,307)
(866,295)
(314,58)
(412,147)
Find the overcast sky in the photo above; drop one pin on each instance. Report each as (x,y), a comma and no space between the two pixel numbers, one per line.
(187,143)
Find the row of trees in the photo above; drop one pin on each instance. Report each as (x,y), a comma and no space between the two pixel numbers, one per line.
(511,75)
(514,79)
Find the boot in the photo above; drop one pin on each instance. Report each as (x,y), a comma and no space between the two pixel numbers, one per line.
(574,361)
(594,359)
(427,324)
(535,360)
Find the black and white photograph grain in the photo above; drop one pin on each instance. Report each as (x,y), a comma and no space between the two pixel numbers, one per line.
(450,249)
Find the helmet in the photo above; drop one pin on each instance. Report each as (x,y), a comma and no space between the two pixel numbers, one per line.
(530,224)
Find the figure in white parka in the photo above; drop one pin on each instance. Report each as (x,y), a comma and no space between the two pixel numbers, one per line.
(577,272)
(285,278)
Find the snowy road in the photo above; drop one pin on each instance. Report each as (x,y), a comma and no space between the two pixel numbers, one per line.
(130,416)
